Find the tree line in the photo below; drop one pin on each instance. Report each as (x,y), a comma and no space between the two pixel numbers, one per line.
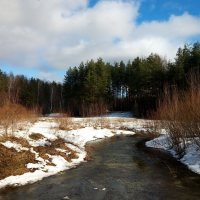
(32,93)
(97,86)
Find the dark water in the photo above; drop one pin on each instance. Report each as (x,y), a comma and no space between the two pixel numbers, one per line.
(121,169)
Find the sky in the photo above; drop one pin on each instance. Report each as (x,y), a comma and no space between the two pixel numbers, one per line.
(42,39)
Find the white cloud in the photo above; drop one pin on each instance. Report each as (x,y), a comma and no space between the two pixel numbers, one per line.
(63,33)
(177,26)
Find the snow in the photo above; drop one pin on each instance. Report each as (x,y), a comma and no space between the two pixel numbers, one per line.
(76,141)
(119,114)
(42,142)
(162,142)
(66,197)
(34,166)
(46,128)
(192,155)
(54,115)
(17,147)
(81,136)
(23,179)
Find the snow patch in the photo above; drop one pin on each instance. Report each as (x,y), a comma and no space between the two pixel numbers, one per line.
(16,146)
(75,139)
(192,155)
(119,114)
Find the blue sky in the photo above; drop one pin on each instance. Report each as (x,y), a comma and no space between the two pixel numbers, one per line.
(163,9)
(43,39)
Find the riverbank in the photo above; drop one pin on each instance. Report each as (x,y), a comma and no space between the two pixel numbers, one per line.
(49,149)
(191,158)
(48,146)
(121,168)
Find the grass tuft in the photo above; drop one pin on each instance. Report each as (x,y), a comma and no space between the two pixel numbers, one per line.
(19,140)
(13,162)
(52,150)
(36,136)
(11,114)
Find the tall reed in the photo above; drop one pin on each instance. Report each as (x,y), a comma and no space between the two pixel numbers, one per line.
(179,112)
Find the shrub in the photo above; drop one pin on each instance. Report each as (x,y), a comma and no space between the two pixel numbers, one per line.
(101,123)
(180,115)
(11,113)
(64,123)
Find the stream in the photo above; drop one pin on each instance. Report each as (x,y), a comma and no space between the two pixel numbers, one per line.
(121,168)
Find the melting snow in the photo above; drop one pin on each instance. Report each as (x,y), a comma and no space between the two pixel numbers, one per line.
(16,146)
(76,140)
(191,157)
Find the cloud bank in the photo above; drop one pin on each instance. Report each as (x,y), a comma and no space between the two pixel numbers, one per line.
(57,34)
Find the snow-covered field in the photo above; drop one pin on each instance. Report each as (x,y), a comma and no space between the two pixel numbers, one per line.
(72,142)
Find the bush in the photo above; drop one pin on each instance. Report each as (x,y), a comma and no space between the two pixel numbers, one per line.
(11,113)
(65,122)
(180,115)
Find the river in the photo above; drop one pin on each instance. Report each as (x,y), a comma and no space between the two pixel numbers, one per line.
(122,168)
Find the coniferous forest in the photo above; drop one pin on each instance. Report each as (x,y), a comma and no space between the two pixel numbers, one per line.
(95,87)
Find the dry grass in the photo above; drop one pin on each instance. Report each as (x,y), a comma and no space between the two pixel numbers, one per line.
(36,136)
(52,150)
(11,114)
(18,140)
(104,123)
(153,128)
(65,123)
(87,122)
(97,122)
(89,149)
(180,114)
(13,162)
